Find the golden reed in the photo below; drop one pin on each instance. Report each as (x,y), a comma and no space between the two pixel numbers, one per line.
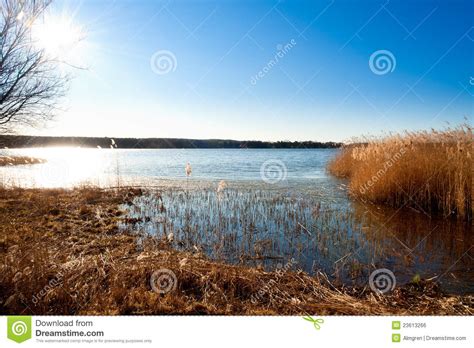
(430,171)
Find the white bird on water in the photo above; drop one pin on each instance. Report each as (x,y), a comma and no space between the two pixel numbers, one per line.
(171,237)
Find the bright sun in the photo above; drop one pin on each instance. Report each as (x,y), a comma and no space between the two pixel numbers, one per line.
(59,36)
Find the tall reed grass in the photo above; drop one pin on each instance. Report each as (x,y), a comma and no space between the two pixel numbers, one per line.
(430,171)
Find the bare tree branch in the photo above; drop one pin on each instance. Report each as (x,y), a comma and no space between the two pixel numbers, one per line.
(30,82)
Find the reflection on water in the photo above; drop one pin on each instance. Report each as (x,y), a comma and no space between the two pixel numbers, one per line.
(414,243)
(307,216)
(63,167)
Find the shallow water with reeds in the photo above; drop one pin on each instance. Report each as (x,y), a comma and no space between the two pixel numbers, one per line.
(268,228)
(273,206)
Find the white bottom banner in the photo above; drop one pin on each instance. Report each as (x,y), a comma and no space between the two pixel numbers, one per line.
(215,331)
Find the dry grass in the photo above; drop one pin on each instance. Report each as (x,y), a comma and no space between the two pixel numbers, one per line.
(18,160)
(61,252)
(429,171)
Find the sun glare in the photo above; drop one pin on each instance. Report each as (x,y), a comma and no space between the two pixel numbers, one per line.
(59,36)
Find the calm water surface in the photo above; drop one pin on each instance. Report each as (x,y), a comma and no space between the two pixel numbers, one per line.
(74,166)
(276,205)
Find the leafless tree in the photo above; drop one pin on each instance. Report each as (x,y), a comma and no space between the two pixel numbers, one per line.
(30,81)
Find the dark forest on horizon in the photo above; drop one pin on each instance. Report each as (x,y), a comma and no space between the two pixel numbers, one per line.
(23,141)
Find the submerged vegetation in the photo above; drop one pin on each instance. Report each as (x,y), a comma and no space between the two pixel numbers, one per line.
(429,171)
(267,228)
(247,226)
(70,254)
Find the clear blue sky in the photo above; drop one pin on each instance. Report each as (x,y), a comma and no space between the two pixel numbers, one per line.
(321,88)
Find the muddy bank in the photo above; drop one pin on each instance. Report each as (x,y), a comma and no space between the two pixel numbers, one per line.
(62,252)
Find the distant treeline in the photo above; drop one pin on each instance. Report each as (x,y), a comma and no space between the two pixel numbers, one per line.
(20,141)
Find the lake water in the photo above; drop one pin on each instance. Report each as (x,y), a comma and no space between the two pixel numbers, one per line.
(67,167)
(273,206)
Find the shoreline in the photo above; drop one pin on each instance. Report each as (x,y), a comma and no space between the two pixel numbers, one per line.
(70,243)
(23,141)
